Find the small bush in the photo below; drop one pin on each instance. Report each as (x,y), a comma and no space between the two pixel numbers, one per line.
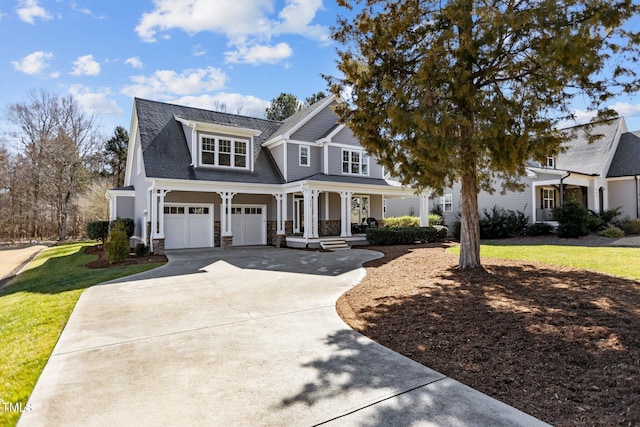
(539,229)
(402,221)
(128,224)
(630,226)
(500,223)
(98,230)
(117,246)
(573,220)
(141,250)
(611,231)
(457,229)
(435,219)
(405,235)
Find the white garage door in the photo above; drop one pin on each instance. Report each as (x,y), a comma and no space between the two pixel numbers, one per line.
(188,226)
(249,224)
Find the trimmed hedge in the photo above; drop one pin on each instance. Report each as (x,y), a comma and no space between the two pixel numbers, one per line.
(406,235)
(539,229)
(128,224)
(98,230)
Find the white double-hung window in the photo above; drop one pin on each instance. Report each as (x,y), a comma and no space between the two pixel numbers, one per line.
(224,152)
(355,162)
(303,155)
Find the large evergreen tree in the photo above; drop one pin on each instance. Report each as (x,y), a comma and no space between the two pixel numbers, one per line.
(115,152)
(467,91)
(282,107)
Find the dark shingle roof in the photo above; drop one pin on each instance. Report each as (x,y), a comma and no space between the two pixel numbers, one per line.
(347,179)
(626,161)
(588,158)
(166,154)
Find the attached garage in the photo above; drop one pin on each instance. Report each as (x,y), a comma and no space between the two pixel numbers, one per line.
(249,224)
(188,226)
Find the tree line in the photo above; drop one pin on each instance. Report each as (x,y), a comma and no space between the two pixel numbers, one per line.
(56,169)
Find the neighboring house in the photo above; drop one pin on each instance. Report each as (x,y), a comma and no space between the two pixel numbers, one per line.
(198,178)
(603,174)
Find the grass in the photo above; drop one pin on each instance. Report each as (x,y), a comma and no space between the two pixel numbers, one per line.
(34,308)
(621,262)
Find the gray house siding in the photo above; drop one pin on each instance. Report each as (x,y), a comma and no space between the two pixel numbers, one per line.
(402,206)
(277,153)
(295,171)
(335,163)
(345,136)
(317,126)
(622,193)
(126,207)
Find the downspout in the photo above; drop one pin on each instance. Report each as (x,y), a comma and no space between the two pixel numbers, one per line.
(637,197)
(562,187)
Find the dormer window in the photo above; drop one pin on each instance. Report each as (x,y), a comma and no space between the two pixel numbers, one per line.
(304,155)
(224,152)
(551,162)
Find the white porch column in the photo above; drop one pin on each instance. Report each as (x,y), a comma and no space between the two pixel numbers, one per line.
(424,210)
(306,194)
(113,206)
(314,213)
(161,195)
(345,208)
(281,212)
(225,213)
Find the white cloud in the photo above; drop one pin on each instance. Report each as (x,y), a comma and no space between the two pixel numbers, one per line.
(134,61)
(626,110)
(86,66)
(33,63)
(55,74)
(198,50)
(259,54)
(29,10)
(245,23)
(164,84)
(95,102)
(234,103)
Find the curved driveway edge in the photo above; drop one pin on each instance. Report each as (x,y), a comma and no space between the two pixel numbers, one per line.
(241,337)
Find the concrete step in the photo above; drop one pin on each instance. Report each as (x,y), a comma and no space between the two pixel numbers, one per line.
(334,245)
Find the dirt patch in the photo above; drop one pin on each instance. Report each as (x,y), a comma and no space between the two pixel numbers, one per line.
(103,261)
(558,343)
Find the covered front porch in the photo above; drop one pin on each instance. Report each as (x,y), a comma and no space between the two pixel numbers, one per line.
(549,195)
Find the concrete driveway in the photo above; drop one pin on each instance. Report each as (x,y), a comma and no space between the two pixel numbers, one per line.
(242,337)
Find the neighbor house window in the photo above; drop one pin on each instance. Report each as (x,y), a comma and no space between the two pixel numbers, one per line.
(224,152)
(446,202)
(548,198)
(551,162)
(355,162)
(304,155)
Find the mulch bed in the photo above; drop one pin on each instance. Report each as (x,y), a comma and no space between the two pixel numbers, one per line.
(558,343)
(103,262)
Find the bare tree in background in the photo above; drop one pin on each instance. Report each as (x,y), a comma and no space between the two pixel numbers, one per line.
(55,138)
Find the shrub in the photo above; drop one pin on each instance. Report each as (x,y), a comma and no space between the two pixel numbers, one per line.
(141,250)
(630,226)
(611,231)
(573,220)
(405,235)
(402,221)
(98,230)
(603,219)
(128,224)
(435,219)
(457,229)
(117,246)
(539,229)
(499,223)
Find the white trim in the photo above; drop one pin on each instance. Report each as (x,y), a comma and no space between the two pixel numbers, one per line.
(361,163)
(622,178)
(133,135)
(232,154)
(219,128)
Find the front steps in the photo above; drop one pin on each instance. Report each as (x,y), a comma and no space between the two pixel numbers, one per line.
(334,244)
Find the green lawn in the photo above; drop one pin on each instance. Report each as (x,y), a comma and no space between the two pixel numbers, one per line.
(622,262)
(34,308)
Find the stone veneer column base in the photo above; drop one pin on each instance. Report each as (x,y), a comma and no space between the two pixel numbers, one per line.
(280,241)
(226,242)
(158,246)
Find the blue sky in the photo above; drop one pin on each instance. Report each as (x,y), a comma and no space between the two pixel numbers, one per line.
(241,53)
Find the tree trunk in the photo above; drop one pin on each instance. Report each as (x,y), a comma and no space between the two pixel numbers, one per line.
(470,223)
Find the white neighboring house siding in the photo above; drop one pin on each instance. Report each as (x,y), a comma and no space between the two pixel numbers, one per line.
(621,193)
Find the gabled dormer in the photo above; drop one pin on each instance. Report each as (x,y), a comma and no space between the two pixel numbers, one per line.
(219,146)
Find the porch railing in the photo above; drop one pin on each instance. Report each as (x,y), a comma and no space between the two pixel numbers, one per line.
(545,215)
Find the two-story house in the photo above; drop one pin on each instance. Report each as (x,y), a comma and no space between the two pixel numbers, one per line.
(601,172)
(199,178)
